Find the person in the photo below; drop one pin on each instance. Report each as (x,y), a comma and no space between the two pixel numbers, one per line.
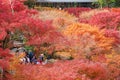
(49,57)
(34,60)
(44,59)
(41,58)
(45,62)
(25,59)
(30,55)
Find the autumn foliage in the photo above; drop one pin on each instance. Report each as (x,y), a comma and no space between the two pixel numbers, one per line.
(4,64)
(112,65)
(85,17)
(88,40)
(115,10)
(71,70)
(90,37)
(59,19)
(110,20)
(77,11)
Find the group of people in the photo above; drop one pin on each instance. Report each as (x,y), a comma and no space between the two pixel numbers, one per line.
(30,57)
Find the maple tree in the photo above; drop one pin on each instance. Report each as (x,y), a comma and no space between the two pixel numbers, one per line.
(108,21)
(6,18)
(85,17)
(43,30)
(4,64)
(59,18)
(53,14)
(23,20)
(77,11)
(113,65)
(72,70)
(35,31)
(115,9)
(88,40)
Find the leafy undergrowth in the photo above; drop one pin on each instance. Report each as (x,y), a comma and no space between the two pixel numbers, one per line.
(63,70)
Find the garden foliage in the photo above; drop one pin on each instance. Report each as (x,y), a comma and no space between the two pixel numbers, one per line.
(91,42)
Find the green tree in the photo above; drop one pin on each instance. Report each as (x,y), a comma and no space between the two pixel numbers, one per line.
(105,3)
(30,3)
(117,3)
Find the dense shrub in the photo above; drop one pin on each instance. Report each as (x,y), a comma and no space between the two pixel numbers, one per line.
(110,21)
(57,31)
(85,17)
(88,40)
(77,11)
(107,20)
(71,70)
(113,61)
(4,64)
(59,18)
